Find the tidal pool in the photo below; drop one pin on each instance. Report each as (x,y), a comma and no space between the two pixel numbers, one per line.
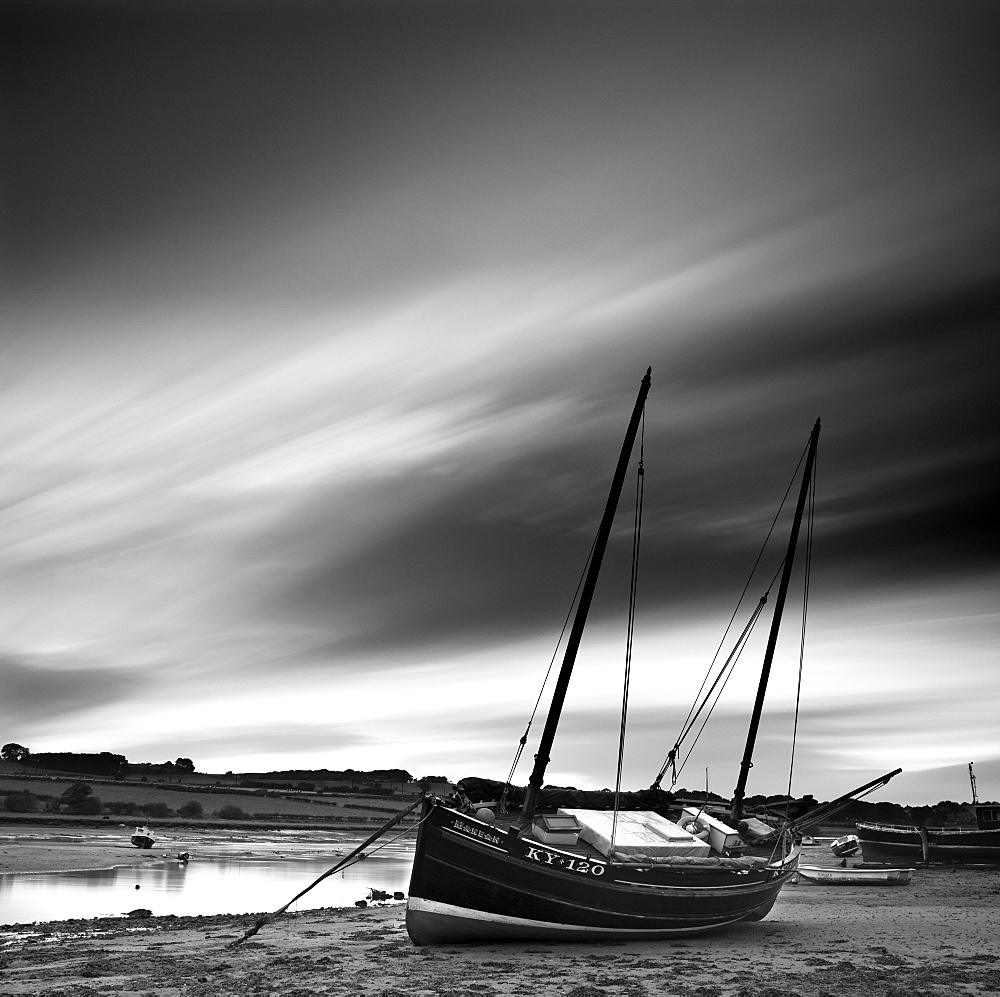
(214,884)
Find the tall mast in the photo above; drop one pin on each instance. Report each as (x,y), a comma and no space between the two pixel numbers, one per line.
(586,595)
(736,808)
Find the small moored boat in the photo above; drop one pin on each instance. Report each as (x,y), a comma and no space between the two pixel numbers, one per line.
(855,875)
(846,846)
(141,838)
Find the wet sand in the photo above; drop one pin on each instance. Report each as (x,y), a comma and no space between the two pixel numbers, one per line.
(936,936)
(66,849)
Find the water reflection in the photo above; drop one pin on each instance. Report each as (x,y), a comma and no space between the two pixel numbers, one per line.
(201,886)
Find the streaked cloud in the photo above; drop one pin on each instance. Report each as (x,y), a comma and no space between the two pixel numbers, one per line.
(324,327)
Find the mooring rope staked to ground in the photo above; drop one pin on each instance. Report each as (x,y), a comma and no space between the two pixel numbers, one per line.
(267,918)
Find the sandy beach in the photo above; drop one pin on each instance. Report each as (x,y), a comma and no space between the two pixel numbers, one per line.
(934,936)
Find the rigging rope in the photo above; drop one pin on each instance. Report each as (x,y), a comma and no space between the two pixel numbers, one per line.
(810,522)
(502,803)
(636,533)
(700,702)
(725,672)
(348,860)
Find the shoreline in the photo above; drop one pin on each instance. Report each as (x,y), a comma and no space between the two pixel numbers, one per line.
(935,936)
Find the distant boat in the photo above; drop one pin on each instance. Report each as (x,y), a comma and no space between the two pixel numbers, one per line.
(846,846)
(855,875)
(141,838)
(956,845)
(808,841)
(979,845)
(648,869)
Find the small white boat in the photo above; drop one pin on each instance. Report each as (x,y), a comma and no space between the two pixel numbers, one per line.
(845,846)
(141,838)
(855,875)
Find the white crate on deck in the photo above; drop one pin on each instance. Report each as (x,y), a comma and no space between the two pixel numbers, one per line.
(638,832)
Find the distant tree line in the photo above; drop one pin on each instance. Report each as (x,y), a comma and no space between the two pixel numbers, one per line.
(114,766)
(340,776)
(103,764)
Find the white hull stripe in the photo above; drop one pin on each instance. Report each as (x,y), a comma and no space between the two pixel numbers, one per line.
(420,906)
(475,841)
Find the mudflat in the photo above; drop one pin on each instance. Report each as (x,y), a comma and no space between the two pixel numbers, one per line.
(935,936)
(25,849)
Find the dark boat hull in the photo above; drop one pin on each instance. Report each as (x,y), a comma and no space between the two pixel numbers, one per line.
(473,882)
(885,843)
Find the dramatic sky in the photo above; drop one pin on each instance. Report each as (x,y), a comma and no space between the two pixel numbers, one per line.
(322,324)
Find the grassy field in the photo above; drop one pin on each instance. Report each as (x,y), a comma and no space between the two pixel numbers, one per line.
(272,807)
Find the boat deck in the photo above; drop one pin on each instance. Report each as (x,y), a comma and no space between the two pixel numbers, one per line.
(506,822)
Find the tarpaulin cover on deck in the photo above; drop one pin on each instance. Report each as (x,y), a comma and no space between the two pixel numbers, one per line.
(638,832)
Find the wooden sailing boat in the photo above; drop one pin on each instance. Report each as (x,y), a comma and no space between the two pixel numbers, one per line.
(978,845)
(574,874)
